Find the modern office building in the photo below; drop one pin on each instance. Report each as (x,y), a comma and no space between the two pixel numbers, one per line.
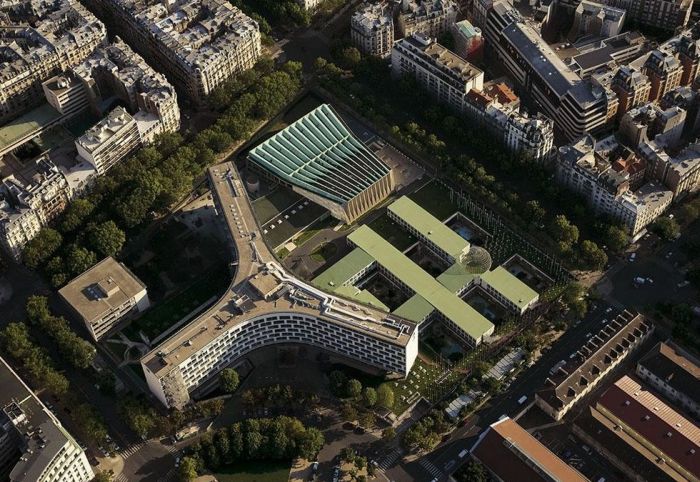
(600,354)
(469,43)
(512,454)
(446,76)
(110,140)
(673,372)
(39,43)
(66,94)
(104,296)
(270,307)
(432,18)
(512,293)
(654,429)
(320,158)
(372,29)
(610,184)
(34,446)
(198,44)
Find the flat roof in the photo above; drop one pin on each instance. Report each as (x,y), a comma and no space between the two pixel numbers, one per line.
(513,455)
(654,421)
(456,277)
(418,280)
(510,287)
(344,269)
(103,287)
(429,227)
(30,123)
(318,153)
(416,309)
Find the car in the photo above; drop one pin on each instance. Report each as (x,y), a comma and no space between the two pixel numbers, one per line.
(669,254)
(683,284)
(588,335)
(522,399)
(650,281)
(314,466)
(463,453)
(604,321)
(633,256)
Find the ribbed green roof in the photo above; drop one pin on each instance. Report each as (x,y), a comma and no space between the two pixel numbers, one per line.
(510,287)
(419,281)
(429,227)
(320,154)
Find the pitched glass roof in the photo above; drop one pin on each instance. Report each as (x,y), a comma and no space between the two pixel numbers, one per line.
(318,153)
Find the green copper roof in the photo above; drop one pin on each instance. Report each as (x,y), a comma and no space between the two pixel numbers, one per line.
(510,287)
(346,267)
(419,281)
(429,227)
(415,309)
(455,278)
(318,153)
(363,296)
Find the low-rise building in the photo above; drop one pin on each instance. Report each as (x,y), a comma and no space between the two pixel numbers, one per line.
(110,140)
(673,372)
(372,29)
(596,358)
(104,296)
(651,427)
(512,454)
(432,18)
(34,446)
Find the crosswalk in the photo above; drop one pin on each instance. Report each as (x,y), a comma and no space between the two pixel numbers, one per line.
(389,459)
(121,478)
(429,467)
(129,451)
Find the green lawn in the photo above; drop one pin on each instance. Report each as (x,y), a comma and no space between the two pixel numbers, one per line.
(323,252)
(258,471)
(168,312)
(433,198)
(390,231)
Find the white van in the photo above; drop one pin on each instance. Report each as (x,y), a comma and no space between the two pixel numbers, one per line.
(463,453)
(522,399)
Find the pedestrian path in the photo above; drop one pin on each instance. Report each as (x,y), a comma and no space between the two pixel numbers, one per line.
(429,467)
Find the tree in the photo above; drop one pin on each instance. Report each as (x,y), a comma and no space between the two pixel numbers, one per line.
(188,469)
(76,214)
(369,396)
(102,476)
(616,238)
(353,388)
(472,472)
(592,256)
(337,382)
(389,434)
(106,238)
(228,378)
(311,443)
(564,231)
(385,396)
(350,57)
(534,212)
(79,259)
(367,420)
(666,227)
(42,247)
(348,412)
(38,309)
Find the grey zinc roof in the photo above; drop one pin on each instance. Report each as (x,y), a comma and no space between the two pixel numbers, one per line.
(320,154)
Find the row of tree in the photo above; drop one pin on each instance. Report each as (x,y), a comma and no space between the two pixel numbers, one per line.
(151,181)
(75,350)
(343,387)
(280,438)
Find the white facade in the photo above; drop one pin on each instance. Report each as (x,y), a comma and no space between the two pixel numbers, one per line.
(110,140)
(432,18)
(372,29)
(532,137)
(446,76)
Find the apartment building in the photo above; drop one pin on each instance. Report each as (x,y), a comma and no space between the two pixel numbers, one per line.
(117,71)
(597,19)
(605,54)
(432,18)
(66,94)
(110,140)
(34,446)
(372,29)
(104,296)
(664,71)
(198,44)
(689,57)
(469,43)
(39,43)
(662,14)
(611,186)
(652,428)
(673,372)
(632,87)
(679,171)
(533,137)
(446,76)
(651,122)
(601,353)
(27,205)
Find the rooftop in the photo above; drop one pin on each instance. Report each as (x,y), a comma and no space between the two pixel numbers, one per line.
(675,367)
(510,287)
(430,227)
(318,153)
(26,126)
(103,287)
(514,455)
(437,295)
